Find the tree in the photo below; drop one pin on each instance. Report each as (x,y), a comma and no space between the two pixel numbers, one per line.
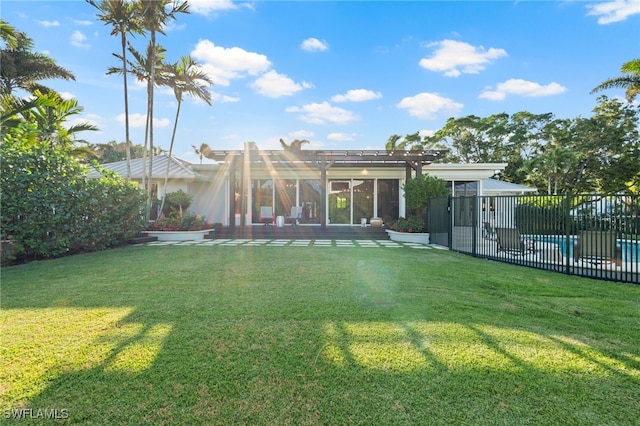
(113,151)
(8,34)
(610,140)
(525,136)
(23,69)
(202,151)
(120,14)
(395,143)
(183,77)
(141,68)
(295,146)
(154,15)
(413,141)
(50,117)
(629,80)
(557,159)
(11,109)
(473,139)
(419,191)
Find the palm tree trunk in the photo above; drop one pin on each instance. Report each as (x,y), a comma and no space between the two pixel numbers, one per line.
(150,118)
(126,104)
(166,172)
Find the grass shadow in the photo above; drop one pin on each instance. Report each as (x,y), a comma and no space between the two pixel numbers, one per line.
(192,335)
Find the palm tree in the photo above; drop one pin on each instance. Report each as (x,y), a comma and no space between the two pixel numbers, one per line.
(203,151)
(393,145)
(8,34)
(120,14)
(183,77)
(630,80)
(154,15)
(295,146)
(141,68)
(50,116)
(11,109)
(23,69)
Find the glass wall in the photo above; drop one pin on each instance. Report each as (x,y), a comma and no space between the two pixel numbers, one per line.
(340,202)
(262,196)
(310,200)
(388,199)
(362,200)
(285,196)
(277,198)
(349,200)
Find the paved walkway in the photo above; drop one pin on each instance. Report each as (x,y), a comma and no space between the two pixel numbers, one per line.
(293,243)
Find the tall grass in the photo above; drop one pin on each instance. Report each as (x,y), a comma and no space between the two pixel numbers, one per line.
(314,335)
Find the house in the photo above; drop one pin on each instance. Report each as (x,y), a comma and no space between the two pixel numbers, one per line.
(322,188)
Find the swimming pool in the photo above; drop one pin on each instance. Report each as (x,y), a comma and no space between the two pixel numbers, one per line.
(630,249)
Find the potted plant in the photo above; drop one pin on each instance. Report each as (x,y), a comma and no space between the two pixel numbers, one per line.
(417,193)
(175,228)
(174,224)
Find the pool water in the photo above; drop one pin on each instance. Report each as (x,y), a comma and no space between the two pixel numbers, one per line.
(630,249)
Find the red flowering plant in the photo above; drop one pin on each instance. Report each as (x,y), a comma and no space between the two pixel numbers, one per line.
(412,224)
(173,222)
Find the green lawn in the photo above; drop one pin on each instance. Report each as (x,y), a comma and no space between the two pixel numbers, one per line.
(315,335)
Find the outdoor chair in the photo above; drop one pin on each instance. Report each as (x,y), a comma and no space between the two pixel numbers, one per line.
(295,215)
(598,247)
(266,214)
(510,241)
(488,233)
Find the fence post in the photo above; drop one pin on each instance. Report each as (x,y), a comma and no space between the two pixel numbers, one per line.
(567,231)
(474,225)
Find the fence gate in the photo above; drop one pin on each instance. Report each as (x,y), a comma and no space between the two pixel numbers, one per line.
(439,221)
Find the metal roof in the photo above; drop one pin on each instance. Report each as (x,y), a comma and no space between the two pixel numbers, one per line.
(178,169)
(339,157)
(499,186)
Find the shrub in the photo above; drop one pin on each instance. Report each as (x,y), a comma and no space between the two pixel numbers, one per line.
(51,208)
(412,224)
(190,222)
(177,202)
(418,191)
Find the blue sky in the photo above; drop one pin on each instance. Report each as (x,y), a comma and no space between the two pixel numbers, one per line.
(344,75)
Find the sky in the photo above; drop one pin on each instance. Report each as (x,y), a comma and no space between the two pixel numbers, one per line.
(341,74)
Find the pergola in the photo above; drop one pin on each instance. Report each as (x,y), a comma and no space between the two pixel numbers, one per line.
(241,161)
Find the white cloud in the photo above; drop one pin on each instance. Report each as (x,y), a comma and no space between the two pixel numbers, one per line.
(516,86)
(205,7)
(49,23)
(427,105)
(614,11)
(301,134)
(140,120)
(218,98)
(274,85)
(357,95)
(79,40)
(82,22)
(225,64)
(340,137)
(456,57)
(67,95)
(426,132)
(314,45)
(323,113)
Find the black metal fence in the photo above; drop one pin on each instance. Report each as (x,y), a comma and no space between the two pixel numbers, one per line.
(594,236)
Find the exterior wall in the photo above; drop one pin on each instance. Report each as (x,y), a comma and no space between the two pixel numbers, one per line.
(213,197)
(208,201)
(173,185)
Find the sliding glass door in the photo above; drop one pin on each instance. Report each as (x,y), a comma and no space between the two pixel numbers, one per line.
(339,202)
